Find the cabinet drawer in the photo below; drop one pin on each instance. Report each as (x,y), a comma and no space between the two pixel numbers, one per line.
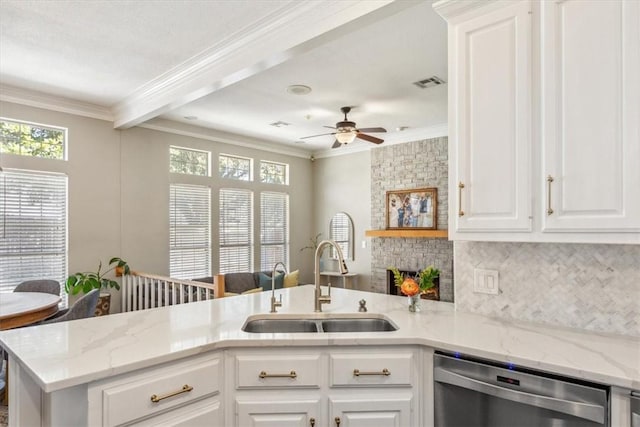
(377,369)
(126,400)
(277,371)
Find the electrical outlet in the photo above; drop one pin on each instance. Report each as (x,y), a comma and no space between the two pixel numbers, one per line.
(364,244)
(486,281)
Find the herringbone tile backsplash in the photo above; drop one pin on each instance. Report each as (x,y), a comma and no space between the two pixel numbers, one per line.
(595,287)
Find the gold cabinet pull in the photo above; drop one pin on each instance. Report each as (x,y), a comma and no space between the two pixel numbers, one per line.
(549,181)
(291,374)
(185,389)
(337,420)
(460,187)
(312,422)
(385,372)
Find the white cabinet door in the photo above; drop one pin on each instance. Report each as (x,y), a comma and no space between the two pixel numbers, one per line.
(490,114)
(394,410)
(591,115)
(263,411)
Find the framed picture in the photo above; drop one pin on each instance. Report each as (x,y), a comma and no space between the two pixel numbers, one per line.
(416,209)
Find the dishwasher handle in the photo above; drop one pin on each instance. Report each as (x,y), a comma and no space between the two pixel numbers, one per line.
(595,413)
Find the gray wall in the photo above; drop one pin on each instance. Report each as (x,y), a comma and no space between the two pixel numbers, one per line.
(343,184)
(119,191)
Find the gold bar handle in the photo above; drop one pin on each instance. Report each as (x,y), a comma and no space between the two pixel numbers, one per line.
(460,187)
(312,422)
(337,420)
(185,389)
(549,181)
(385,372)
(291,374)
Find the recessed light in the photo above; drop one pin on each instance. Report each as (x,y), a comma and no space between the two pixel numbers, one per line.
(298,89)
(191,117)
(279,124)
(401,128)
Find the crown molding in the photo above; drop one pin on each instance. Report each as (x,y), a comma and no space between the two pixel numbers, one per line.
(452,9)
(208,134)
(54,103)
(408,135)
(288,31)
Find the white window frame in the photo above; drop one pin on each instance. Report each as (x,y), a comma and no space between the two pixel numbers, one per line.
(244,241)
(19,262)
(193,150)
(285,176)
(39,125)
(189,245)
(249,171)
(267,216)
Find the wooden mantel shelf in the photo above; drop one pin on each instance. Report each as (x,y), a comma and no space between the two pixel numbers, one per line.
(433,234)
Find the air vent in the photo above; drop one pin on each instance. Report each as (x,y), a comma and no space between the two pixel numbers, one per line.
(430,82)
(279,124)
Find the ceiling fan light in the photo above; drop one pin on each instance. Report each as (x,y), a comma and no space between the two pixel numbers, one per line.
(346,137)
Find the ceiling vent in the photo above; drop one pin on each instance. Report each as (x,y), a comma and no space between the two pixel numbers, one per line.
(430,82)
(279,124)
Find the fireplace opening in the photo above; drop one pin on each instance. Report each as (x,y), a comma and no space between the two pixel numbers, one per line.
(432,294)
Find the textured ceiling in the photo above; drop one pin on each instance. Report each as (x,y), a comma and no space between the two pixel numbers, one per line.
(102,52)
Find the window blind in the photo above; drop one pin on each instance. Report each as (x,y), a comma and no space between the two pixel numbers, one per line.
(274,229)
(236,230)
(340,232)
(33,227)
(189,231)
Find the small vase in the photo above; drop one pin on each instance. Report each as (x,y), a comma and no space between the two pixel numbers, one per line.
(414,303)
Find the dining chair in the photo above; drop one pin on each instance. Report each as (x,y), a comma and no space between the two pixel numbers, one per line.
(84,307)
(45,286)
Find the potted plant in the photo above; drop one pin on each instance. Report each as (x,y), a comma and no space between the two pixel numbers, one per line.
(315,241)
(414,287)
(87,281)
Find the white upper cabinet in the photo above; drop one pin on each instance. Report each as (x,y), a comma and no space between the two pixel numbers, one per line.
(590,115)
(491,113)
(544,119)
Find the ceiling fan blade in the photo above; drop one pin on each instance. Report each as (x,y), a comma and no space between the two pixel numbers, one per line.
(336,144)
(322,134)
(328,127)
(369,138)
(372,130)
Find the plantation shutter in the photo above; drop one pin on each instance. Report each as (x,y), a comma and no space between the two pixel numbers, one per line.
(274,229)
(236,230)
(189,231)
(33,227)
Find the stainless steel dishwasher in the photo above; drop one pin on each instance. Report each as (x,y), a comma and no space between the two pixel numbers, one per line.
(635,409)
(478,393)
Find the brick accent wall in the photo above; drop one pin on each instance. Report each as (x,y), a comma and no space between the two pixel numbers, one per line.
(415,164)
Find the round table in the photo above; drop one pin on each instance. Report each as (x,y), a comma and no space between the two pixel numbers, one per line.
(24,308)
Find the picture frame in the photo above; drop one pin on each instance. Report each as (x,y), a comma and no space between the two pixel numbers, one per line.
(415,209)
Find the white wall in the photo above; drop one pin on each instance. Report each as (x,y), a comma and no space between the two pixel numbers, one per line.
(119,191)
(343,184)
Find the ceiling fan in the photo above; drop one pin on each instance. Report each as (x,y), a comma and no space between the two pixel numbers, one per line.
(346,131)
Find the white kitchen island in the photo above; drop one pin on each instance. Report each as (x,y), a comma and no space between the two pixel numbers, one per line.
(103,371)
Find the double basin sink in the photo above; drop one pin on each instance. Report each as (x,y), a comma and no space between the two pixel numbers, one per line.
(318,323)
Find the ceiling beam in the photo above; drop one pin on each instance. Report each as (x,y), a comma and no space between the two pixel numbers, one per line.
(285,33)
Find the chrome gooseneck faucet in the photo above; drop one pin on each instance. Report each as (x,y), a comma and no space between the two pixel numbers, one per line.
(275,303)
(319,298)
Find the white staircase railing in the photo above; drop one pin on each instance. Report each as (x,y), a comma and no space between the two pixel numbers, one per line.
(141,291)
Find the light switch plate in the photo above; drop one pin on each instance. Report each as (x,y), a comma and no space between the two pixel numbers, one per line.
(486,281)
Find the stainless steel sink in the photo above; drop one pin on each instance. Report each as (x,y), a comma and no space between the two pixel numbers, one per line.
(272,324)
(357,325)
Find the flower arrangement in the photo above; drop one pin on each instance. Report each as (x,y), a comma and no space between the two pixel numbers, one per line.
(411,286)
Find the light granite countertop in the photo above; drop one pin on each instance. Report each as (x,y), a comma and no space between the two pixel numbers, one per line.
(67,354)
